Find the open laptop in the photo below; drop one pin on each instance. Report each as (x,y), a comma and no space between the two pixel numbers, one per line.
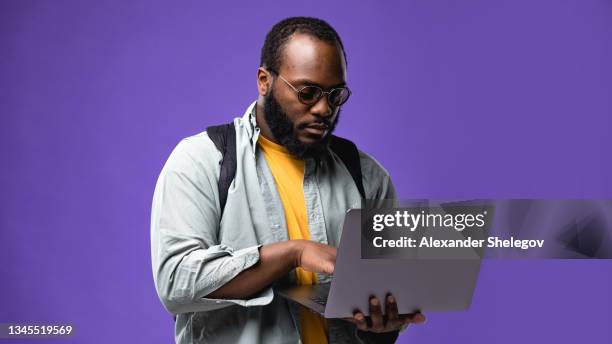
(418,284)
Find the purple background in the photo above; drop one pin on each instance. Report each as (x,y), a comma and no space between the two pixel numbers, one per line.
(456,98)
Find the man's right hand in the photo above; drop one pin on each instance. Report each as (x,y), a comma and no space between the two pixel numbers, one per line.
(315,257)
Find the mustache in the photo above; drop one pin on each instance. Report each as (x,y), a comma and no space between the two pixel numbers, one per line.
(323,122)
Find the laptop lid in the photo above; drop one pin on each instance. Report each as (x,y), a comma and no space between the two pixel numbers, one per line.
(418,284)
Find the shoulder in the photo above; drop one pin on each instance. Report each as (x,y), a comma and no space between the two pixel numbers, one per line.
(370,167)
(377,183)
(376,179)
(200,152)
(373,171)
(194,154)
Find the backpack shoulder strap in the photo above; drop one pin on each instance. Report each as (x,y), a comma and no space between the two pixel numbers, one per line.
(348,153)
(224,138)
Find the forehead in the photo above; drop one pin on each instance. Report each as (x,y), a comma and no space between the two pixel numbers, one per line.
(306,57)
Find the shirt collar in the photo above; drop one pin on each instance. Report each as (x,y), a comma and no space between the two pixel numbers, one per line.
(250,123)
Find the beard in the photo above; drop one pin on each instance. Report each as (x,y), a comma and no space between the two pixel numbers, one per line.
(283,130)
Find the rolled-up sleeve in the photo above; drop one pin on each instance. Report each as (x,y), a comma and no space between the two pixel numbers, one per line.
(188,261)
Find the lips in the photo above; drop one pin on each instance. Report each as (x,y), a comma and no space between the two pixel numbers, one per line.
(317,129)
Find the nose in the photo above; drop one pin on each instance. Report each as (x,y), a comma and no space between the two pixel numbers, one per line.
(321,108)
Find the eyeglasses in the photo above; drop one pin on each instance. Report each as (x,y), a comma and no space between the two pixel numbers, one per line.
(310,95)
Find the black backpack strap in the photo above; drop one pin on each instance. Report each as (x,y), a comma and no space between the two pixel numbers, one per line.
(224,138)
(348,153)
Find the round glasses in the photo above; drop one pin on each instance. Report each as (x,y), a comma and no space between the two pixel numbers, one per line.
(310,95)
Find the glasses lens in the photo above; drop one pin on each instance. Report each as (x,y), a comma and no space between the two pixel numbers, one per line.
(310,94)
(339,96)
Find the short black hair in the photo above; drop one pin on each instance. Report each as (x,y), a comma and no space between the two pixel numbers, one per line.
(281,32)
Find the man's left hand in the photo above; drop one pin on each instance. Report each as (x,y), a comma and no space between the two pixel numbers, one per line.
(379,323)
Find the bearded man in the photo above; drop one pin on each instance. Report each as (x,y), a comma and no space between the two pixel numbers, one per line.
(217,251)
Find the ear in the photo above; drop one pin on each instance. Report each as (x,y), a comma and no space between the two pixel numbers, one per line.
(264,81)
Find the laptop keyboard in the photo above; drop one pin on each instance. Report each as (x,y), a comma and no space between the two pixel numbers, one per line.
(320,300)
(320,294)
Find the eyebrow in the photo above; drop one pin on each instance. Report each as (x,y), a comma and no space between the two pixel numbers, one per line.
(312,83)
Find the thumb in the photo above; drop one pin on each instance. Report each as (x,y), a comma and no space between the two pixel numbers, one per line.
(328,268)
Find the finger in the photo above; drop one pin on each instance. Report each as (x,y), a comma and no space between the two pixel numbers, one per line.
(419,318)
(376,315)
(392,312)
(416,318)
(328,268)
(360,321)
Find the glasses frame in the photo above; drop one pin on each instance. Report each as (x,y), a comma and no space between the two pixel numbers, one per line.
(323,93)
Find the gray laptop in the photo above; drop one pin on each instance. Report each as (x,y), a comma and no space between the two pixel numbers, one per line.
(426,285)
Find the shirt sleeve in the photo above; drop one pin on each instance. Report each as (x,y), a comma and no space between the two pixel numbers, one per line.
(188,261)
(376,338)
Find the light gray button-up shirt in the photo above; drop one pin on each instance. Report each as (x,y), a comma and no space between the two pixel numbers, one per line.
(195,251)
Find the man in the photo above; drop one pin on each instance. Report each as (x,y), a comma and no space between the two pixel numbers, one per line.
(214,265)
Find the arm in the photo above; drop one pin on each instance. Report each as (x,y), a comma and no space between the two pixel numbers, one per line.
(276,260)
(380,327)
(191,270)
(187,258)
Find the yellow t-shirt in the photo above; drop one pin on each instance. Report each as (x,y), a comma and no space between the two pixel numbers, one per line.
(288,173)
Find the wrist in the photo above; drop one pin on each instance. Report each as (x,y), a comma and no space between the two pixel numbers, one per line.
(296,247)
